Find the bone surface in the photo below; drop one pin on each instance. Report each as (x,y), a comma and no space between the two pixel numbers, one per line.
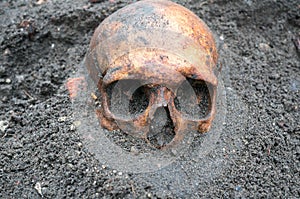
(160,49)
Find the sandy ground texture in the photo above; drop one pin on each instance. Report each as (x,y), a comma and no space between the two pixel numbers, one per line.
(42,154)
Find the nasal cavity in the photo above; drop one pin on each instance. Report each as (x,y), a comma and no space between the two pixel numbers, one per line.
(161,128)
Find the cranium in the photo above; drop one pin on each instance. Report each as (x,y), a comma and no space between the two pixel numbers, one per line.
(154,52)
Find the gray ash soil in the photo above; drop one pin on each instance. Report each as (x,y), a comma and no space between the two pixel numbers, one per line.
(42,155)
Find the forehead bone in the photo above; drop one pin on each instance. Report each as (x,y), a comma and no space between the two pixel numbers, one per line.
(154,26)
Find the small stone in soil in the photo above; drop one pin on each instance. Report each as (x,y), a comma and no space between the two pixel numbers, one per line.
(3,125)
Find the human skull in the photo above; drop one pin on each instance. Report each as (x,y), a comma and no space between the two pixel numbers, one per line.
(158,60)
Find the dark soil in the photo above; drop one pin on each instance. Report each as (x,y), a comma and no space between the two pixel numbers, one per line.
(42,155)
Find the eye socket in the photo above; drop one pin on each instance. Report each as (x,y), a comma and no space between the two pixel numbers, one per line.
(193,99)
(127,98)
(139,100)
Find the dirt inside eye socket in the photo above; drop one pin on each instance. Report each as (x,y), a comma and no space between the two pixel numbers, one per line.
(127,98)
(139,100)
(193,99)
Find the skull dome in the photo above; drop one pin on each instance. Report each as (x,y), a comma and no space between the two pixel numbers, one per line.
(157,59)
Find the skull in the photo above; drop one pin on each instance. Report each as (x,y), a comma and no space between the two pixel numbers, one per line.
(158,60)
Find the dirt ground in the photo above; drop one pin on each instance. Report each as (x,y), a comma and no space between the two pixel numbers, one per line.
(42,43)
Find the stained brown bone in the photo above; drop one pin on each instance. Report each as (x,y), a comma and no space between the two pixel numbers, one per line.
(154,25)
(154,41)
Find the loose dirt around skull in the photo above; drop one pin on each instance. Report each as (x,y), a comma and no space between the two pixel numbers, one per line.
(43,152)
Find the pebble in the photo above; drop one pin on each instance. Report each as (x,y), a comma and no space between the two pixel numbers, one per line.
(122,140)
(76,123)
(71,166)
(72,127)
(20,78)
(134,150)
(2,70)
(238,188)
(8,81)
(7,52)
(222,37)
(260,86)
(3,125)
(274,76)
(249,2)
(62,119)
(38,188)
(264,47)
